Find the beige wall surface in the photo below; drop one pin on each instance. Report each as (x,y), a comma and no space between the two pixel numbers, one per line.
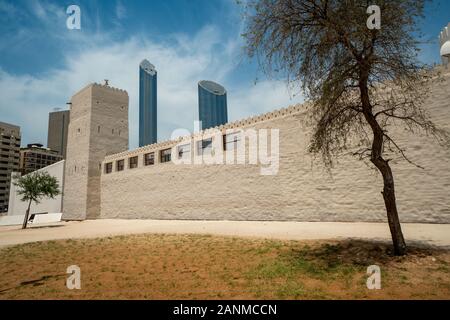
(302,190)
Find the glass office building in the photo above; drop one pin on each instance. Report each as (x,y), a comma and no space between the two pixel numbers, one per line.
(147,104)
(212,104)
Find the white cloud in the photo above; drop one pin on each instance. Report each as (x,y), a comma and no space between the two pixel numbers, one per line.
(181,62)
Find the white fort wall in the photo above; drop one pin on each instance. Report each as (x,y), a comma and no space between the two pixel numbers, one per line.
(46,211)
(300,191)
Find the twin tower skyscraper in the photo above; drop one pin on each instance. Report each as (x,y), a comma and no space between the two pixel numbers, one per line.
(147,104)
(212,104)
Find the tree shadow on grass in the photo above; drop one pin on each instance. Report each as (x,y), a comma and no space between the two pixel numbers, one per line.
(336,259)
(34,282)
(360,253)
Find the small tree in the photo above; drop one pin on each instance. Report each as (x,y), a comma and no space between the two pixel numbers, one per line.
(362,80)
(35,186)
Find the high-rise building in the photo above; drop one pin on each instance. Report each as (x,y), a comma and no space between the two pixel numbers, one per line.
(212,104)
(35,157)
(9,160)
(444,38)
(58,124)
(98,126)
(147,104)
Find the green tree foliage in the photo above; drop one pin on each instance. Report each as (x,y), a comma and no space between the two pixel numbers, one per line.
(35,186)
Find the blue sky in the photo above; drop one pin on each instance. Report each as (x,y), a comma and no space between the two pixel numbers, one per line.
(42,63)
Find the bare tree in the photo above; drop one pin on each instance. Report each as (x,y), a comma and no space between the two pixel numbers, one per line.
(361,81)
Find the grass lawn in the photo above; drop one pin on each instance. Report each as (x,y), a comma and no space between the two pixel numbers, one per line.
(209,267)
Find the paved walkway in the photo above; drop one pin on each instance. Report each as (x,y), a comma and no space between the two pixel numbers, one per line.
(432,234)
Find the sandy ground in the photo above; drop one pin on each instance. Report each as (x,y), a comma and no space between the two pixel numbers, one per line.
(429,234)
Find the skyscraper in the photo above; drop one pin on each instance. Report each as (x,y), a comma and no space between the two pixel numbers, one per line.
(35,157)
(9,160)
(212,104)
(147,104)
(58,124)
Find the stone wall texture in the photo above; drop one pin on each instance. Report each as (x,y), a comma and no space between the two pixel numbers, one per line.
(302,190)
(98,127)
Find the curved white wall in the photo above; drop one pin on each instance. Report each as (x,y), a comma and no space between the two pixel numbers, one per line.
(18,207)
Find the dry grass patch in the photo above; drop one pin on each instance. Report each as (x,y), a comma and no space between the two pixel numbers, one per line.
(209,267)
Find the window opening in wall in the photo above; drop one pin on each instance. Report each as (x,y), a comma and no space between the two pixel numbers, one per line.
(184,151)
(149,158)
(120,165)
(231,141)
(108,167)
(133,162)
(166,155)
(204,146)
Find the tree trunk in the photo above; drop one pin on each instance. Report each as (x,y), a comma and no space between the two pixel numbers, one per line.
(25,220)
(384,168)
(391,207)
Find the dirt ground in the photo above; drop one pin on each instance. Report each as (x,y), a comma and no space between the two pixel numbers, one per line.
(421,233)
(168,266)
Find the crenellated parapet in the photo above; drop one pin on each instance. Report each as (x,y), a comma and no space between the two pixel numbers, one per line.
(108,87)
(243,123)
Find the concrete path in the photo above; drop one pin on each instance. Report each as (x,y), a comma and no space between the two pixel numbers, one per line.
(430,234)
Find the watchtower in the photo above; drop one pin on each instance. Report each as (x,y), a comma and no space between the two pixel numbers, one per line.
(98,127)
